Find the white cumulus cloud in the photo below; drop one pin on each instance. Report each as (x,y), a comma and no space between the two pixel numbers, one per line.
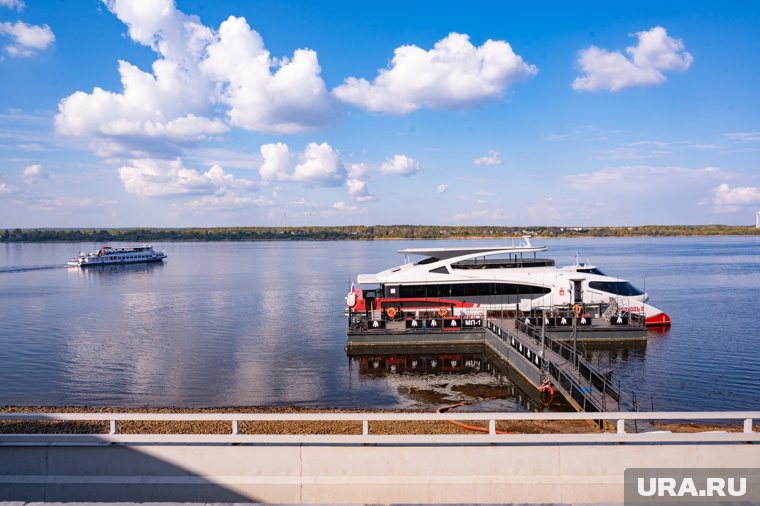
(19,5)
(319,164)
(492,158)
(654,54)
(265,94)
(201,82)
(34,173)
(28,40)
(344,207)
(356,187)
(358,190)
(169,178)
(358,173)
(7,189)
(156,112)
(276,162)
(729,200)
(453,74)
(401,165)
(357,170)
(442,188)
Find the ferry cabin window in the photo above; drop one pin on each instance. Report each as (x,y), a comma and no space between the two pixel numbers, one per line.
(615,287)
(592,270)
(464,290)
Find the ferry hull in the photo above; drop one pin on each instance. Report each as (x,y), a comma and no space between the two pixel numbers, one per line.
(114,262)
(658,320)
(653,316)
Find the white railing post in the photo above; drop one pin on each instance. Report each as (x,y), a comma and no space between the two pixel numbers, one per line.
(236,436)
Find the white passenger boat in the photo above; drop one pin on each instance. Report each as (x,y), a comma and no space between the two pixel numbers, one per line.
(473,280)
(107,255)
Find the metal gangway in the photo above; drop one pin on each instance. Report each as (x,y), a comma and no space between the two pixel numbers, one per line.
(579,382)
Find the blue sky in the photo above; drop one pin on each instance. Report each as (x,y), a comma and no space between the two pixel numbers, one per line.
(196,113)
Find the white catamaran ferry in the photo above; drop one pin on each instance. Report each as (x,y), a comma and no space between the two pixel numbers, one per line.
(473,280)
(107,255)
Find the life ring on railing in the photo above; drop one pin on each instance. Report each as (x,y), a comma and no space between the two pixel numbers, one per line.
(391,312)
(546,388)
(443,311)
(547,397)
(577,309)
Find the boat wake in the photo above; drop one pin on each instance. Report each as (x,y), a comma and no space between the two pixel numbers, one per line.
(25,268)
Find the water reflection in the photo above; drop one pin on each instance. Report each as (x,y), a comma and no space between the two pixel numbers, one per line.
(260,323)
(431,377)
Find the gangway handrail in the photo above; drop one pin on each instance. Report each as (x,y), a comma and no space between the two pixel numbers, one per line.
(571,384)
(593,376)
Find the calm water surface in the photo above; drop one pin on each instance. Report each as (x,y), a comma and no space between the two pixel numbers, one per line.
(261,323)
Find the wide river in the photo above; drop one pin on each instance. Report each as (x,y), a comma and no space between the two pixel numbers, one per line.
(261,323)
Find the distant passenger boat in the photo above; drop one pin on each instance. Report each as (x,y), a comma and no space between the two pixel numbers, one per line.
(107,255)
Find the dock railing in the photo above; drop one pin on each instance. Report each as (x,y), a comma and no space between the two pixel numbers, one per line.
(583,368)
(583,385)
(741,419)
(561,317)
(410,322)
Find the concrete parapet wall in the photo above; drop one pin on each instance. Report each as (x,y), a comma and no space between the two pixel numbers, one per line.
(394,471)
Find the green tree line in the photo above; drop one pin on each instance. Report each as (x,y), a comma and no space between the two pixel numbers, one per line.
(355,233)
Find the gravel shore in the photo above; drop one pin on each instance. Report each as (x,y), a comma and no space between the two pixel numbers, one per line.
(298,428)
(281,427)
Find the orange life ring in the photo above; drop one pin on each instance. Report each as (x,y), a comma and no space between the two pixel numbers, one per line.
(391,312)
(577,309)
(443,311)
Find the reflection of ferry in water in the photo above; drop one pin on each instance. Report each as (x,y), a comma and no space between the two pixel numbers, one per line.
(474,280)
(107,255)
(432,376)
(419,364)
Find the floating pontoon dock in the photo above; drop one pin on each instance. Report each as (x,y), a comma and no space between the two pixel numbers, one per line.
(536,353)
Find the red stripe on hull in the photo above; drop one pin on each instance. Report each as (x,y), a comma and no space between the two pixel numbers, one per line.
(658,320)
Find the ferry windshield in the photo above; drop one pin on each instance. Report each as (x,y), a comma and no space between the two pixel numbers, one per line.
(592,270)
(615,287)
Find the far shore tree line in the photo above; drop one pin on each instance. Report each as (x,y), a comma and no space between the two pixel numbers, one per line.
(378,232)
